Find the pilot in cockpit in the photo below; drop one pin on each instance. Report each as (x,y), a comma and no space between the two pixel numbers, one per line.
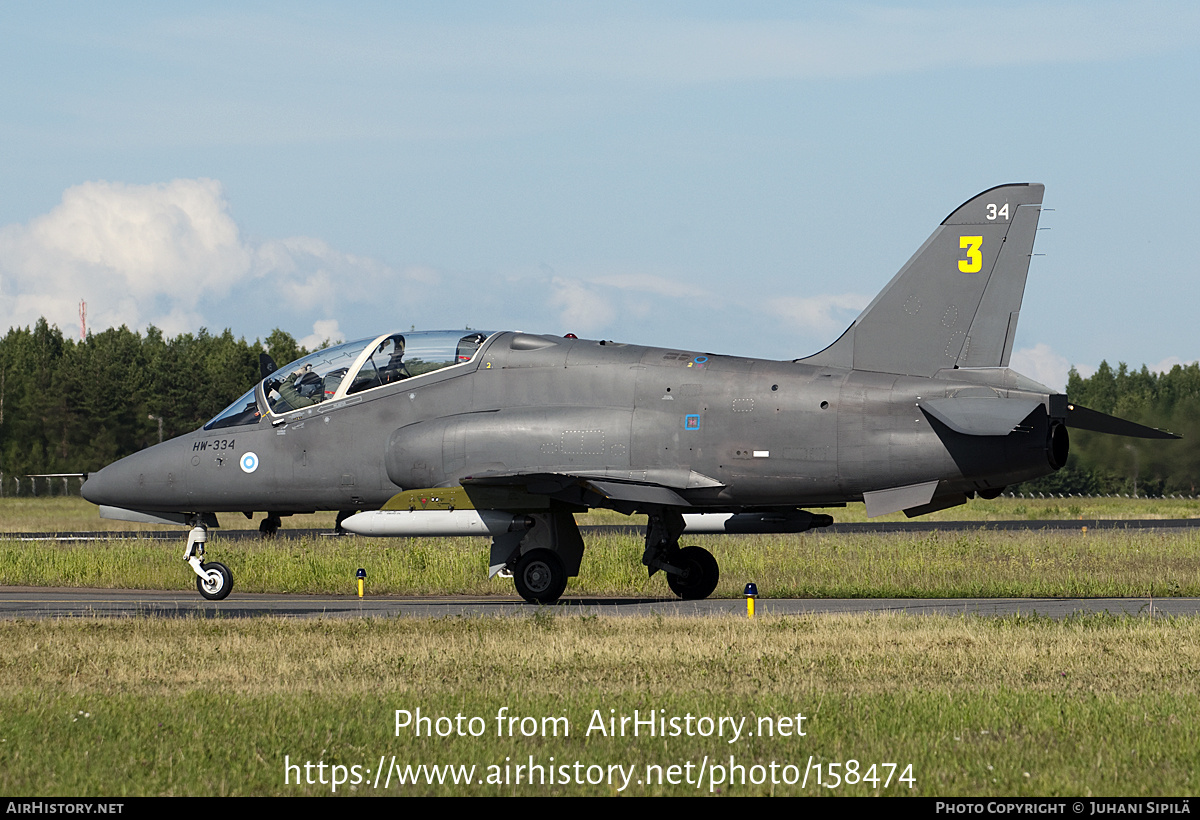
(301,389)
(395,369)
(385,366)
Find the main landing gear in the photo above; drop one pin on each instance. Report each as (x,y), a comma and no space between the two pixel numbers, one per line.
(540,553)
(214,581)
(540,576)
(553,549)
(270,525)
(692,572)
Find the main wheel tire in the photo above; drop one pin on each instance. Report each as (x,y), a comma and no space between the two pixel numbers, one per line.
(700,574)
(217,582)
(269,526)
(540,576)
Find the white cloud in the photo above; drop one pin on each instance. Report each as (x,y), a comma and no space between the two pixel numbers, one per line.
(1168,363)
(651,283)
(582,307)
(821,315)
(608,301)
(180,319)
(170,254)
(1042,364)
(324,330)
(135,253)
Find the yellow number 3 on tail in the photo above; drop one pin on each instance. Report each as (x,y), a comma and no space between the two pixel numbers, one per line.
(974,261)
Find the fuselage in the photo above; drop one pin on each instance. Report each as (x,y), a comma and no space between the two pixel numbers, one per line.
(724,432)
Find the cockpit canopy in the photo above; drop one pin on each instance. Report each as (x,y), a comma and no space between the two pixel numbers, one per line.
(352,367)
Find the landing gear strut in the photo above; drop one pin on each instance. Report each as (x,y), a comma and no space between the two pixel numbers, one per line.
(552,549)
(270,525)
(692,572)
(214,581)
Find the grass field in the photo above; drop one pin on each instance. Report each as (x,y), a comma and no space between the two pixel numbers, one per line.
(1094,706)
(962,706)
(1103,563)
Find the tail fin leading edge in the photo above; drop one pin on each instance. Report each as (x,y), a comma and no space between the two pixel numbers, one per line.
(955,302)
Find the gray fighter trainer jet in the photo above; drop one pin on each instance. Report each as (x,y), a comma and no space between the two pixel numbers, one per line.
(507,435)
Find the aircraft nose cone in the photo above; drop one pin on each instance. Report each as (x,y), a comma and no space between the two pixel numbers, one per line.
(145,480)
(93,487)
(103,487)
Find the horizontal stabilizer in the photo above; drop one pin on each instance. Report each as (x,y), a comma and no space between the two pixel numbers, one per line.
(882,502)
(1082,418)
(980,416)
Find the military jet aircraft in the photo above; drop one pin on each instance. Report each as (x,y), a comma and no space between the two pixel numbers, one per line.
(507,435)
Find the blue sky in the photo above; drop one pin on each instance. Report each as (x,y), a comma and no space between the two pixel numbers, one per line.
(734,178)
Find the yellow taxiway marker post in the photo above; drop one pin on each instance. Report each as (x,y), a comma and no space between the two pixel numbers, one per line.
(362,577)
(751,593)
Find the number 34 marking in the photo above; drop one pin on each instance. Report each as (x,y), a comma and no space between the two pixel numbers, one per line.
(974,261)
(992,213)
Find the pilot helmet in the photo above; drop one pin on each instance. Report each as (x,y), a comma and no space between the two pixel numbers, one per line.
(309,386)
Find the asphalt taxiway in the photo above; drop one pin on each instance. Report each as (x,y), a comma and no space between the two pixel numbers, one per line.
(45,602)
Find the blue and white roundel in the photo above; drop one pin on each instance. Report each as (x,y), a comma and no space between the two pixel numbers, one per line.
(249,463)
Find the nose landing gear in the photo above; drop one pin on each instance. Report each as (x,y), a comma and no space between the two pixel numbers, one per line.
(214,581)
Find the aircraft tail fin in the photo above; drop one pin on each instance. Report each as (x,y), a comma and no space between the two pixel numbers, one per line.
(955,302)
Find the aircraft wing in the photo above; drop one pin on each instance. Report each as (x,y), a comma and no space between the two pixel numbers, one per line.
(513,490)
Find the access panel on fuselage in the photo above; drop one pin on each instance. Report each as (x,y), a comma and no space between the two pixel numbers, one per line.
(757,427)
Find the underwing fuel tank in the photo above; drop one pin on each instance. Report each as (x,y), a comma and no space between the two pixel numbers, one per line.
(437,511)
(412,523)
(448,522)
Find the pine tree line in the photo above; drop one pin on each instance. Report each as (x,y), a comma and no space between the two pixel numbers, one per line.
(73,406)
(1107,465)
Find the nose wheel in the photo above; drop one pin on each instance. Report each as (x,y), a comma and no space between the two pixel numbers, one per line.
(214,581)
